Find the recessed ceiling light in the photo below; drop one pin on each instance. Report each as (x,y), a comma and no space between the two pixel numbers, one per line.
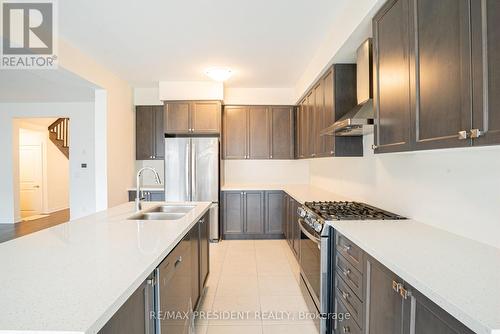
(219,73)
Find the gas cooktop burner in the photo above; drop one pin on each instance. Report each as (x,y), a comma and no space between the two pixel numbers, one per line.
(349,211)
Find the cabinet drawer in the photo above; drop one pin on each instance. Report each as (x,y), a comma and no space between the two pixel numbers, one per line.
(350,251)
(349,274)
(346,325)
(354,305)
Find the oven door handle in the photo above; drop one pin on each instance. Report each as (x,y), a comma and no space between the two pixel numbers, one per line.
(308,234)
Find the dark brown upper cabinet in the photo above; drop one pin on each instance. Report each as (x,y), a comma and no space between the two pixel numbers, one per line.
(192,117)
(441,56)
(391,58)
(486,65)
(282,132)
(331,97)
(258,132)
(235,132)
(436,78)
(149,134)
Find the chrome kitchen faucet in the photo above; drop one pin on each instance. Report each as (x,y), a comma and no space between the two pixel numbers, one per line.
(138,191)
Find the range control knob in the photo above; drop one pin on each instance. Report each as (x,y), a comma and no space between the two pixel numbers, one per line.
(318,227)
(302,213)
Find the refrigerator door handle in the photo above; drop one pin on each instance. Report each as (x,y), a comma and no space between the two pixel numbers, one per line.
(188,164)
(193,171)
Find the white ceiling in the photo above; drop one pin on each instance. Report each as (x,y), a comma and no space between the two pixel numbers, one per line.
(267,43)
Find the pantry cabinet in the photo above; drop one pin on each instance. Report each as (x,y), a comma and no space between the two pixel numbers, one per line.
(258,132)
(192,117)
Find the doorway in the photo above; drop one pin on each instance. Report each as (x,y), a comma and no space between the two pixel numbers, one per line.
(43,169)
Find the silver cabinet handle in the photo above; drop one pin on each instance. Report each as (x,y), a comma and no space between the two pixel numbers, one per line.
(347,247)
(463,135)
(178,261)
(346,329)
(476,133)
(345,295)
(346,272)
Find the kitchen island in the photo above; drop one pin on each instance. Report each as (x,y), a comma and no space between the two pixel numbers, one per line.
(73,277)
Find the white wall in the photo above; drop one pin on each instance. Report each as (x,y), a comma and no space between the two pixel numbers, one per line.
(346,34)
(82,150)
(266,171)
(149,96)
(191,90)
(456,190)
(114,110)
(276,96)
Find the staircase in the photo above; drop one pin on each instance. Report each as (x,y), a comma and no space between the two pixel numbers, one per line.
(59,135)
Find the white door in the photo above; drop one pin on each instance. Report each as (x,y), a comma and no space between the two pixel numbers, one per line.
(30,177)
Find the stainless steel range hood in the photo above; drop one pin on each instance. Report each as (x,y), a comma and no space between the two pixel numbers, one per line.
(359,120)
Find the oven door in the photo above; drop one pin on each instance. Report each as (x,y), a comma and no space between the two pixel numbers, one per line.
(310,261)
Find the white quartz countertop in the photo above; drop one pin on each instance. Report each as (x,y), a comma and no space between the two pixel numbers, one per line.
(300,192)
(73,277)
(462,276)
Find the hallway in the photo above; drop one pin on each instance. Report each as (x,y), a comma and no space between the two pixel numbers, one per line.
(254,276)
(12,231)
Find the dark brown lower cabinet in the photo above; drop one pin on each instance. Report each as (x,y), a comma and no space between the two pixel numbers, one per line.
(395,307)
(149,196)
(274,212)
(252,214)
(130,319)
(194,239)
(174,287)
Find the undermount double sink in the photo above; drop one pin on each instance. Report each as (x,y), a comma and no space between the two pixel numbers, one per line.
(164,212)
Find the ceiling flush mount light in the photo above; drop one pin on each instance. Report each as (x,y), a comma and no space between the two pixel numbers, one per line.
(219,73)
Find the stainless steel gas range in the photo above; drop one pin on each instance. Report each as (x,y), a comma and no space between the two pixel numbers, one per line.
(317,249)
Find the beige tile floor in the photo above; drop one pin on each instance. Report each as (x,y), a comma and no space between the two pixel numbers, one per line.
(253,276)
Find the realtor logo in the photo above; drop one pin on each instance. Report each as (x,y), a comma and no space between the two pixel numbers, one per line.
(28,31)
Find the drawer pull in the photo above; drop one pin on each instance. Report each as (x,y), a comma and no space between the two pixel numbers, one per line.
(179,260)
(346,329)
(346,272)
(345,295)
(347,248)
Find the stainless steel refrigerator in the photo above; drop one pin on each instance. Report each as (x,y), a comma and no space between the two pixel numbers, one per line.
(192,173)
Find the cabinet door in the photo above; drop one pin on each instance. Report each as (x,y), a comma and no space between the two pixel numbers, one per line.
(300,130)
(235,133)
(296,229)
(392,77)
(156,196)
(159,133)
(328,112)
(133,316)
(285,214)
(282,136)
(254,212)
(318,122)
(310,127)
(274,212)
(204,250)
(144,133)
(177,117)
(430,318)
(442,60)
(205,117)
(486,64)
(174,287)
(194,240)
(258,132)
(383,304)
(233,212)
